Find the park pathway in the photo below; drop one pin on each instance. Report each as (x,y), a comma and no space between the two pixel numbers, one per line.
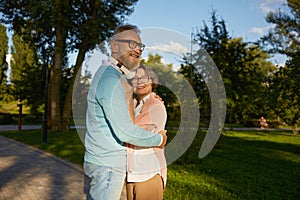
(27,173)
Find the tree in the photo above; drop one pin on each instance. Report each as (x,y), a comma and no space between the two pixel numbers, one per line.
(3,62)
(94,24)
(283,38)
(282,96)
(59,27)
(27,76)
(166,77)
(243,66)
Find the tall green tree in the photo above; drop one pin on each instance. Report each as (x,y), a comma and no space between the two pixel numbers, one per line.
(167,79)
(244,68)
(41,23)
(92,23)
(3,62)
(283,38)
(62,26)
(27,76)
(283,99)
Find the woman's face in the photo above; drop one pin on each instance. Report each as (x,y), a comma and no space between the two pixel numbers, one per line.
(142,83)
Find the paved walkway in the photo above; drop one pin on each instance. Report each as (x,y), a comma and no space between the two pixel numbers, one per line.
(27,173)
(15,127)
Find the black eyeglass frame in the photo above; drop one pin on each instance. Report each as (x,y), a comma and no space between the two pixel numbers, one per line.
(143,79)
(133,44)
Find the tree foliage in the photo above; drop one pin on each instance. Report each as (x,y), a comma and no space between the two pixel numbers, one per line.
(61,26)
(94,24)
(167,80)
(27,75)
(244,69)
(3,62)
(283,99)
(284,38)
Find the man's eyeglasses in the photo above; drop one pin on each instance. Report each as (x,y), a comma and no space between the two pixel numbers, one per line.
(133,44)
(144,79)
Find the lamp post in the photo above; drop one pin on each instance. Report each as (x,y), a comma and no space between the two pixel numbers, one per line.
(191,59)
(20,114)
(45,58)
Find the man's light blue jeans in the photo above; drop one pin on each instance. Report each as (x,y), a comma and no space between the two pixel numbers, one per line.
(106,182)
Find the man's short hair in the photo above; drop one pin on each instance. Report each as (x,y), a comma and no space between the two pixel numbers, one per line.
(126,27)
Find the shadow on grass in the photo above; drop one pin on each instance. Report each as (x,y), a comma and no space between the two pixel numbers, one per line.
(239,167)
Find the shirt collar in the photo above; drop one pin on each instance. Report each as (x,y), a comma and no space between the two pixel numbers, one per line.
(121,68)
(143,100)
(138,109)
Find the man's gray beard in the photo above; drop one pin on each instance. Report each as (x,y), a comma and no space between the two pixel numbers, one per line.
(131,67)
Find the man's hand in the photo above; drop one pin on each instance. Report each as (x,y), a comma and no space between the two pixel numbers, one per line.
(157,97)
(165,137)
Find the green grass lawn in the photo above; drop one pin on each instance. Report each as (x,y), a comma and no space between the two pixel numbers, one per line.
(243,165)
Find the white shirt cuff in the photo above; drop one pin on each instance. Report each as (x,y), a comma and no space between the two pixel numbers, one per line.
(161,139)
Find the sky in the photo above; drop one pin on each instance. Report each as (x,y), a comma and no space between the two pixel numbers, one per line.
(243,18)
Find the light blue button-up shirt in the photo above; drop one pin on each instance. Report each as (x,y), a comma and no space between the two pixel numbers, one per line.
(108,121)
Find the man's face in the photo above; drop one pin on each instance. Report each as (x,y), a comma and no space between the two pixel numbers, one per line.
(123,51)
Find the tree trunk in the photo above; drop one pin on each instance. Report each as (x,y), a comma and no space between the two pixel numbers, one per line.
(56,70)
(67,111)
(54,97)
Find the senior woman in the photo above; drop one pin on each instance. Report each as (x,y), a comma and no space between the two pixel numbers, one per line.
(146,167)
